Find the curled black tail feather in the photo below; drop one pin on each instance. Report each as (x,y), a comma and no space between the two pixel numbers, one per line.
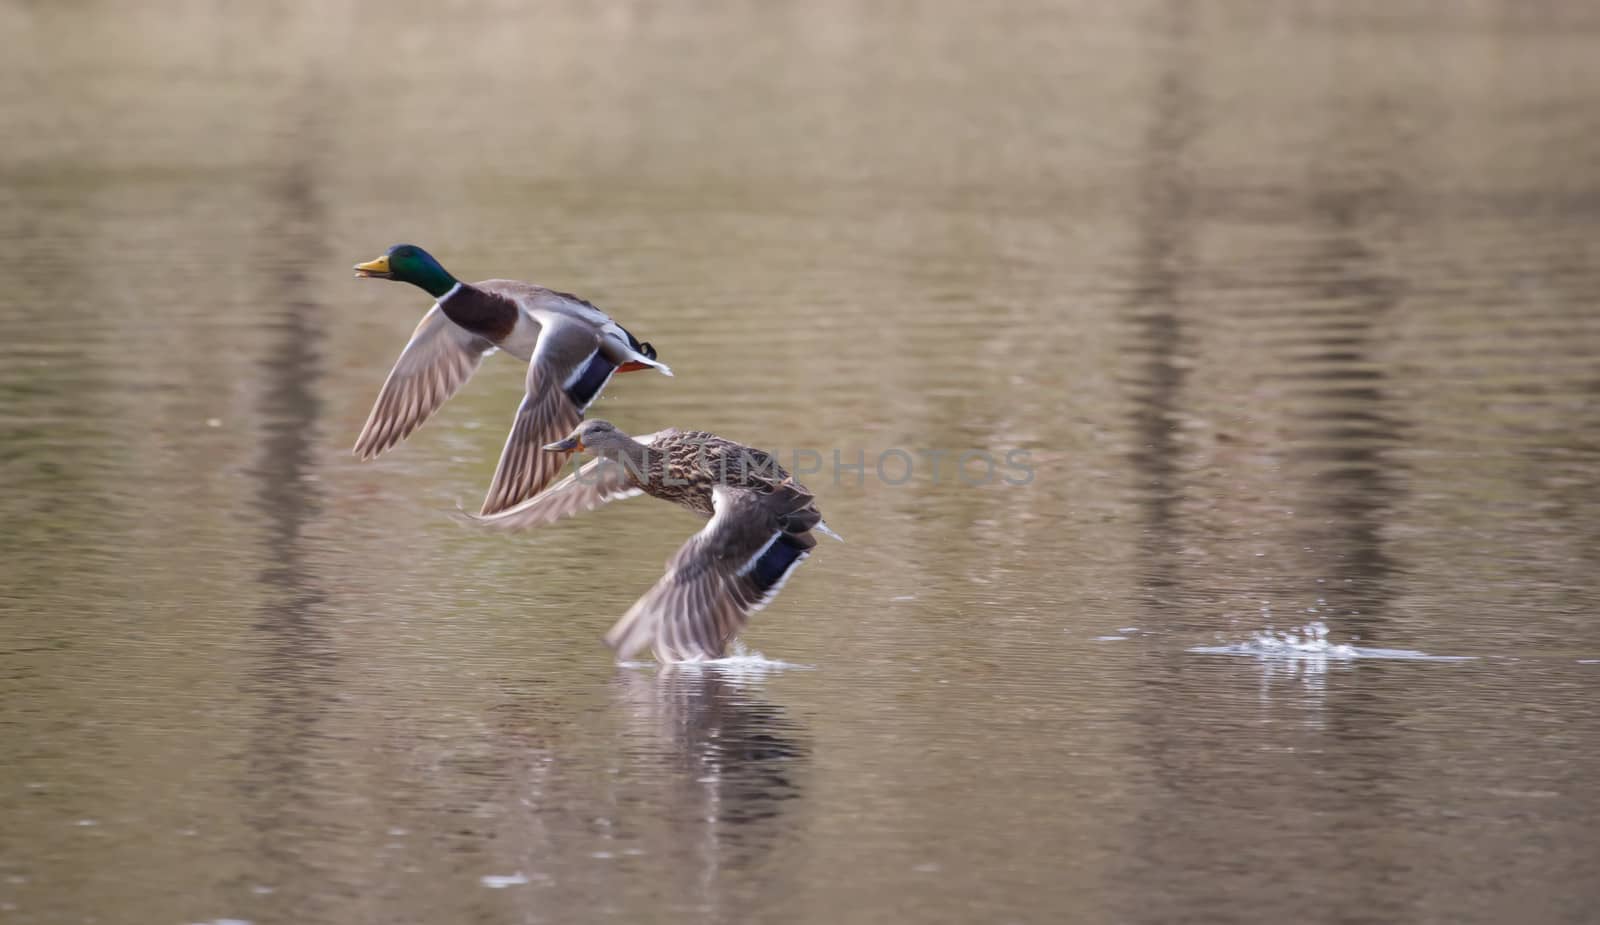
(641,347)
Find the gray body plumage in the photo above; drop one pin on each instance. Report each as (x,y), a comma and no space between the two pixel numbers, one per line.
(556,334)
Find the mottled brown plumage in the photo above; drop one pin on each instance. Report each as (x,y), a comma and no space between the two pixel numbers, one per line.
(760,529)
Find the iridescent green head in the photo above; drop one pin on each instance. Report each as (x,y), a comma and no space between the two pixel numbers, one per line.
(408,263)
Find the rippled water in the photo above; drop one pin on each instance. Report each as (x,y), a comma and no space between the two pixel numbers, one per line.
(1291,306)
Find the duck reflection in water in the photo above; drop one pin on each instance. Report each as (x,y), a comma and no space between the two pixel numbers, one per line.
(738,754)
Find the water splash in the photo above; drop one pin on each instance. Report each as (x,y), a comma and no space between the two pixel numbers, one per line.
(1310,643)
(740,662)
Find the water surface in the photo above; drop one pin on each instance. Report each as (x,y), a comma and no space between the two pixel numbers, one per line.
(1291,308)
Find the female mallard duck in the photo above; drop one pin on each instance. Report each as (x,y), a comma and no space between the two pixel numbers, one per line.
(760,529)
(571,348)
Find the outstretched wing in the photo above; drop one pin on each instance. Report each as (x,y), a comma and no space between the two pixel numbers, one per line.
(729,570)
(440,356)
(559,366)
(599,481)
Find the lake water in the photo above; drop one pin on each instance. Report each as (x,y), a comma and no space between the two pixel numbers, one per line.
(1289,308)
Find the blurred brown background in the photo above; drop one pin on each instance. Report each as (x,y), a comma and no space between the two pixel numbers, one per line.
(1292,305)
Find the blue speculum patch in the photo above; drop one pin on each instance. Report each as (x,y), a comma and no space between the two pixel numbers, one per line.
(588,385)
(776,562)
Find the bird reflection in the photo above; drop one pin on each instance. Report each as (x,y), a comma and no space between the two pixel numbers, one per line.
(738,753)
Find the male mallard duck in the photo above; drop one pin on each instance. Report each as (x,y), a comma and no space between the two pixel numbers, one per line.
(760,529)
(571,348)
